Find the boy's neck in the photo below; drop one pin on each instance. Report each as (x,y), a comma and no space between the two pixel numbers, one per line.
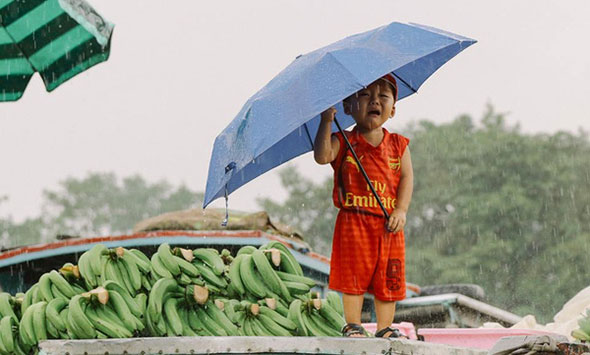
(374,136)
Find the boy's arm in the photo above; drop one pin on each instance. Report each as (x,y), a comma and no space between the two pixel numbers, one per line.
(326,146)
(397,220)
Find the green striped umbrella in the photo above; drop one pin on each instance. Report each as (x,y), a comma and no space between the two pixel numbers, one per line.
(57,38)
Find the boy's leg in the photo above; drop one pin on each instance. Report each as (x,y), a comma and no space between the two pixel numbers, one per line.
(384,310)
(353,306)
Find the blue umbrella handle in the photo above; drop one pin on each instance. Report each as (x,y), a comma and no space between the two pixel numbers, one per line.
(362,169)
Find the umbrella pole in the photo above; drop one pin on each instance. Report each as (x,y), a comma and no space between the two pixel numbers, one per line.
(385,213)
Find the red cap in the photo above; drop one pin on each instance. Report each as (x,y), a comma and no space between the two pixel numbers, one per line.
(391,79)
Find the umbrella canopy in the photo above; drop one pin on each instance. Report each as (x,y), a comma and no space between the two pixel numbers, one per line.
(281,120)
(57,38)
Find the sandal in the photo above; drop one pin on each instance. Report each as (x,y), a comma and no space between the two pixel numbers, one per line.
(351,329)
(395,333)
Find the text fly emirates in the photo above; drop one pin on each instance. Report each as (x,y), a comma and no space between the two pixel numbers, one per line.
(369,200)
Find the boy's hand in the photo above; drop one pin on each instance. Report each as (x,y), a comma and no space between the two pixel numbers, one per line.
(329,114)
(397,221)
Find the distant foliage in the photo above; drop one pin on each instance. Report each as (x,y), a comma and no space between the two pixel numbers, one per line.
(491,205)
(99,204)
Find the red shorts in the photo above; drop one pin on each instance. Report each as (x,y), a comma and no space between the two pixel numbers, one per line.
(367,258)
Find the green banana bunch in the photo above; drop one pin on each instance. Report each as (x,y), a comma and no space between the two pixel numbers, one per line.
(161,290)
(9,339)
(90,265)
(269,276)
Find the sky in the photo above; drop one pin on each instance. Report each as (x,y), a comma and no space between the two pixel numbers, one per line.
(180,70)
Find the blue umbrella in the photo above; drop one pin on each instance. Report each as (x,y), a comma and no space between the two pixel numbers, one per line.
(281,120)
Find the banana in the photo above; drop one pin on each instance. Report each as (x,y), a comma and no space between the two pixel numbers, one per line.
(57,293)
(247,249)
(134,307)
(119,305)
(184,279)
(52,332)
(36,296)
(276,317)
(250,277)
(141,300)
(209,275)
(196,324)
(271,326)
(6,334)
(221,318)
(209,323)
(26,330)
(311,327)
(86,270)
(247,327)
(78,320)
(122,275)
(39,320)
(27,299)
(152,327)
(211,258)
(6,306)
(127,263)
(268,274)
(296,288)
(142,261)
(168,259)
(103,323)
(62,285)
(186,267)
(335,302)
(285,276)
(145,282)
(45,287)
(172,316)
(156,297)
(234,275)
(159,271)
(230,310)
(322,324)
(186,328)
(335,320)
(94,258)
(288,262)
(295,316)
(258,328)
(52,313)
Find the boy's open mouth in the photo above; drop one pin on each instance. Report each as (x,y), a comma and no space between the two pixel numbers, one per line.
(375,112)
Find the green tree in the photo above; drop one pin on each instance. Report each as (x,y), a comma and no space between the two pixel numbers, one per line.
(99,204)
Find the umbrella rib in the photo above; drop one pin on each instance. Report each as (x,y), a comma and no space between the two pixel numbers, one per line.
(404,82)
(308,135)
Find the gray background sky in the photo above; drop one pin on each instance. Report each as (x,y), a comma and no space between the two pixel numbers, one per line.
(179,71)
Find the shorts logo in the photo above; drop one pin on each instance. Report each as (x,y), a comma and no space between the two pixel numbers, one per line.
(394,270)
(394,163)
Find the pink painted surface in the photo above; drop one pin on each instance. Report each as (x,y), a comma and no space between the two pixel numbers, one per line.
(480,338)
(406,328)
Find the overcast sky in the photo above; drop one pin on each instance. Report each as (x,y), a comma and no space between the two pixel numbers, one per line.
(179,72)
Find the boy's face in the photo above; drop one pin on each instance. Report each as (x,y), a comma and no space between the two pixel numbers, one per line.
(371,107)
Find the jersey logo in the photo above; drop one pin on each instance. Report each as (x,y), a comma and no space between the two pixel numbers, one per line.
(351,160)
(394,163)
